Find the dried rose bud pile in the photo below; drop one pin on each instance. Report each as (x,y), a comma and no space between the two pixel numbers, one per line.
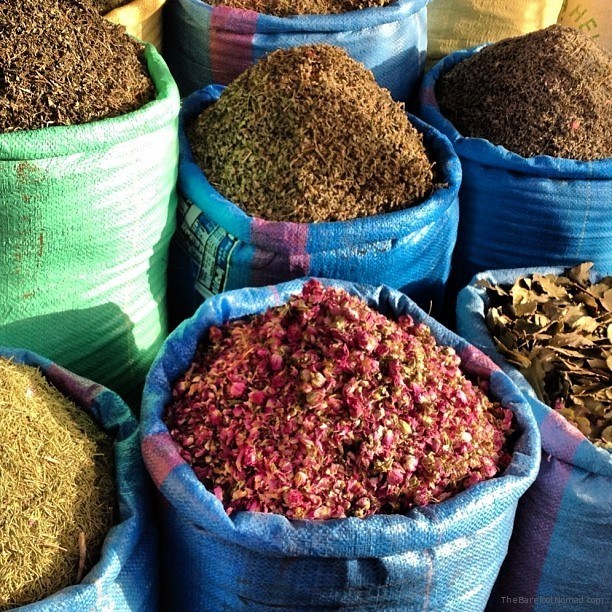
(324,408)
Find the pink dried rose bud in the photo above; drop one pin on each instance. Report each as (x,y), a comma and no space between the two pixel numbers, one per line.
(324,408)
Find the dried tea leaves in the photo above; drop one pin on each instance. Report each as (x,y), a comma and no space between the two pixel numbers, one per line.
(285,8)
(63,64)
(56,488)
(558,331)
(545,93)
(325,408)
(105,6)
(307,135)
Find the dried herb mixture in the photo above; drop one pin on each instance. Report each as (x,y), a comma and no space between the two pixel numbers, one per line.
(285,8)
(558,331)
(324,408)
(56,488)
(61,63)
(307,135)
(105,6)
(548,92)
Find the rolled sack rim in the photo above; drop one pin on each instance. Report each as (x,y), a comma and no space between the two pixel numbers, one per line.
(355,20)
(375,536)
(60,141)
(193,184)
(574,448)
(486,153)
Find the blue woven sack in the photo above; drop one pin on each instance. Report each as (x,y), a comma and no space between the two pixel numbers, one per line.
(442,557)
(218,247)
(559,556)
(125,577)
(522,211)
(204,45)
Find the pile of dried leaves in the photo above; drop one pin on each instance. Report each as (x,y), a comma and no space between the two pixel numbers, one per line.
(285,8)
(61,63)
(56,488)
(307,135)
(558,331)
(325,408)
(544,93)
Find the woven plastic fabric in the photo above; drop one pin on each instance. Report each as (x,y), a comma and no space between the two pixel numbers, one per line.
(593,17)
(142,19)
(126,576)
(206,45)
(558,560)
(522,211)
(86,219)
(442,557)
(218,247)
(458,24)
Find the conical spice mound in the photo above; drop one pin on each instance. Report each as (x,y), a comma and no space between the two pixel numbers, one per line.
(307,135)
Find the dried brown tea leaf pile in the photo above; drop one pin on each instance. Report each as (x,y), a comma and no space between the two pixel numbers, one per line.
(307,135)
(558,331)
(545,93)
(285,8)
(56,483)
(61,63)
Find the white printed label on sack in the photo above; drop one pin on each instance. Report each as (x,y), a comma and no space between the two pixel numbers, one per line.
(209,246)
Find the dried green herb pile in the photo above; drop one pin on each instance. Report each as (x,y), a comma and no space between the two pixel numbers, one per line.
(56,488)
(285,8)
(544,93)
(558,331)
(324,408)
(61,63)
(307,135)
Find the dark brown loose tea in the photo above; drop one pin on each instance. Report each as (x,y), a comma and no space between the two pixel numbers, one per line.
(546,93)
(307,135)
(558,331)
(56,488)
(104,6)
(61,63)
(284,8)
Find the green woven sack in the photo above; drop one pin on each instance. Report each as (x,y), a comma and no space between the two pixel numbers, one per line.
(86,215)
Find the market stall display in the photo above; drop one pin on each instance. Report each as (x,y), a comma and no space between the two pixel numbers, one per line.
(558,551)
(339,148)
(433,555)
(548,98)
(56,487)
(207,45)
(88,203)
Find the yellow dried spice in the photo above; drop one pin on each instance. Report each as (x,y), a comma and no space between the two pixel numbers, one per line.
(307,135)
(558,331)
(285,8)
(56,488)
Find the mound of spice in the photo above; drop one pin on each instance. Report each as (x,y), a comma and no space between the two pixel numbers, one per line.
(324,408)
(285,8)
(61,63)
(558,331)
(56,488)
(307,135)
(545,93)
(105,6)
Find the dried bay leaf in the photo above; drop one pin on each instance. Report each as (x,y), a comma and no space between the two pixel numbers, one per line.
(558,331)
(580,273)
